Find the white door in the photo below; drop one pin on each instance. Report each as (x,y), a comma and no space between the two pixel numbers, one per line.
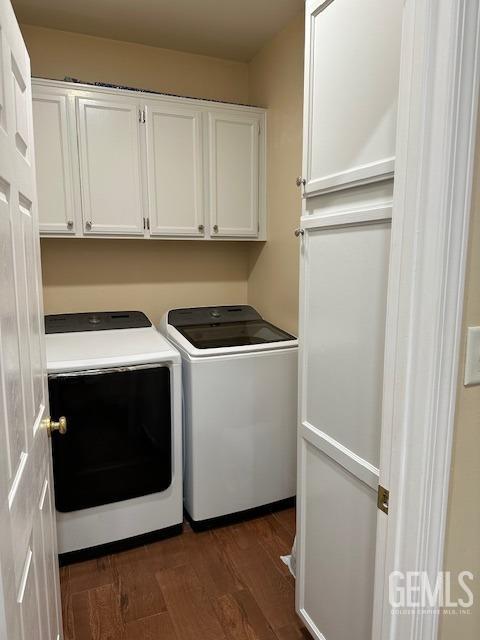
(351,91)
(175,170)
(110,168)
(53,159)
(344,271)
(233,151)
(29,587)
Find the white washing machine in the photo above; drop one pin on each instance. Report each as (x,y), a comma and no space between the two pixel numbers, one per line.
(118,467)
(240,409)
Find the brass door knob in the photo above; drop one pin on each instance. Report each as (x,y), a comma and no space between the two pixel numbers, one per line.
(51,426)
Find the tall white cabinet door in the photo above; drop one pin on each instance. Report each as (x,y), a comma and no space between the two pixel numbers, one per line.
(352,61)
(175,170)
(110,169)
(233,144)
(29,586)
(53,160)
(344,271)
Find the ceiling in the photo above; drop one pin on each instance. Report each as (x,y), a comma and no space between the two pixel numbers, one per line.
(233,29)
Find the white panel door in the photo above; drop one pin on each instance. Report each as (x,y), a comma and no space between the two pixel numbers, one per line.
(53,160)
(110,169)
(175,170)
(29,588)
(344,270)
(234,174)
(352,60)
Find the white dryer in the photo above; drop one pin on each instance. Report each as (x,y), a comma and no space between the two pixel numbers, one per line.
(240,410)
(118,468)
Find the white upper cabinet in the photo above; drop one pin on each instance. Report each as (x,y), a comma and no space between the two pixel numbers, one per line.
(53,161)
(114,162)
(351,89)
(109,145)
(234,163)
(175,170)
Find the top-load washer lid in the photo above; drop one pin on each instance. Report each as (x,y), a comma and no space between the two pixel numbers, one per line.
(226,326)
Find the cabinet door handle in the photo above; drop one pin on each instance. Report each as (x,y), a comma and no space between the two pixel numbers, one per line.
(215,228)
(299,232)
(300,182)
(70,225)
(88,225)
(201,228)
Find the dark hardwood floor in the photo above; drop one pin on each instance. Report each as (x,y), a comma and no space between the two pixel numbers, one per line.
(224,584)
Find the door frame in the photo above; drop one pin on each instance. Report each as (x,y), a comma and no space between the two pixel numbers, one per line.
(436,136)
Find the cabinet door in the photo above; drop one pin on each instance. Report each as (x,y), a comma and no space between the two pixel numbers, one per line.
(109,145)
(53,162)
(352,65)
(175,170)
(343,294)
(234,174)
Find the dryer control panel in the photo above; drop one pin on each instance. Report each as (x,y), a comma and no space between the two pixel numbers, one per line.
(95,321)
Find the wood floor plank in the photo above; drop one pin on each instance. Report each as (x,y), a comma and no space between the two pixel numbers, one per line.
(189,607)
(81,615)
(90,574)
(105,617)
(223,584)
(270,588)
(238,533)
(97,615)
(293,632)
(213,566)
(138,592)
(167,553)
(66,601)
(158,627)
(274,538)
(284,533)
(287,518)
(241,617)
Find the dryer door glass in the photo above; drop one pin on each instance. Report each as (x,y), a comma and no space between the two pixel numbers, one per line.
(118,441)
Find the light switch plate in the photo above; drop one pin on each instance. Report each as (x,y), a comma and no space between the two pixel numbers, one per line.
(472,360)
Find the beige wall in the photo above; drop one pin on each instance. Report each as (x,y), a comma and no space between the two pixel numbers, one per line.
(152,275)
(81,275)
(276,82)
(56,54)
(463,529)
